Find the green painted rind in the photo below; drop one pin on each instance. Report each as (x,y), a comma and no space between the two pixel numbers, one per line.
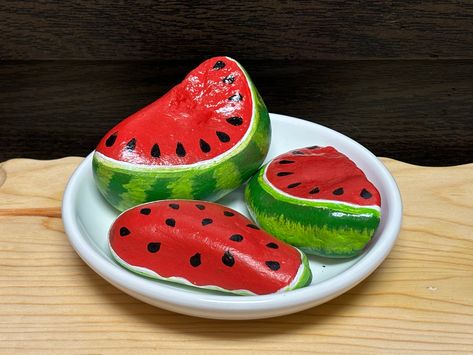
(124,188)
(325,229)
(306,277)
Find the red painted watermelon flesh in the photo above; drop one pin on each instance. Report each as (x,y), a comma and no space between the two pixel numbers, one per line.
(322,173)
(204,243)
(201,118)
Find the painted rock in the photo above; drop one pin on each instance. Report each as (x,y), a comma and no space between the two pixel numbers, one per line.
(316,199)
(205,245)
(201,140)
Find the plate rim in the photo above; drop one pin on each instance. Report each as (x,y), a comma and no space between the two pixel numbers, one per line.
(234,306)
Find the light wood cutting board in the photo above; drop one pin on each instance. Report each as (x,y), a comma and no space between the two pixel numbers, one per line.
(419,300)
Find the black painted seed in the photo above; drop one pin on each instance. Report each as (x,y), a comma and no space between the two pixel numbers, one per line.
(252,226)
(284,173)
(229,79)
(219,65)
(145,211)
(223,137)
(338,191)
(200,207)
(291,186)
(111,140)
(235,120)
(284,161)
(195,260)
(171,222)
(228,213)
(180,151)
(297,152)
(273,265)
(131,144)
(174,206)
(313,147)
(154,247)
(315,190)
(365,194)
(155,152)
(228,259)
(124,231)
(204,146)
(272,245)
(236,237)
(236,97)
(206,221)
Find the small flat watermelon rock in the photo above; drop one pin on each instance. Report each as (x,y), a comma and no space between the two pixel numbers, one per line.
(316,199)
(205,245)
(201,140)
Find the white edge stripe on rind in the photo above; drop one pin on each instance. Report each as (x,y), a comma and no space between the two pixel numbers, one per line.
(181,280)
(176,279)
(374,207)
(202,163)
(299,273)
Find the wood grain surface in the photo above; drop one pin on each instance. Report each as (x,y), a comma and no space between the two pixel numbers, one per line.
(414,111)
(54,29)
(418,301)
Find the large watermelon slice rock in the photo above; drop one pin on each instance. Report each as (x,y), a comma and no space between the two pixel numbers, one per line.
(316,199)
(201,140)
(205,245)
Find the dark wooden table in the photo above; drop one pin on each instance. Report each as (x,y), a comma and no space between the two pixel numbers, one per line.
(396,77)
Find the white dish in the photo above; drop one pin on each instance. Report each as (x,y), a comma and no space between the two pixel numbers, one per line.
(87,218)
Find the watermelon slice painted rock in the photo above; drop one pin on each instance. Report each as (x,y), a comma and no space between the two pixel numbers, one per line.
(205,245)
(316,199)
(201,140)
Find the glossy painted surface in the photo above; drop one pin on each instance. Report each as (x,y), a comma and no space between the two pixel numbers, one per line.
(316,199)
(87,218)
(204,116)
(125,184)
(326,229)
(321,173)
(205,245)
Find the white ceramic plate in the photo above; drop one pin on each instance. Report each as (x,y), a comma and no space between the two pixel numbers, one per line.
(87,218)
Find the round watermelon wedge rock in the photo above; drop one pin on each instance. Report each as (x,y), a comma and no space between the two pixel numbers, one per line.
(317,199)
(205,245)
(201,140)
